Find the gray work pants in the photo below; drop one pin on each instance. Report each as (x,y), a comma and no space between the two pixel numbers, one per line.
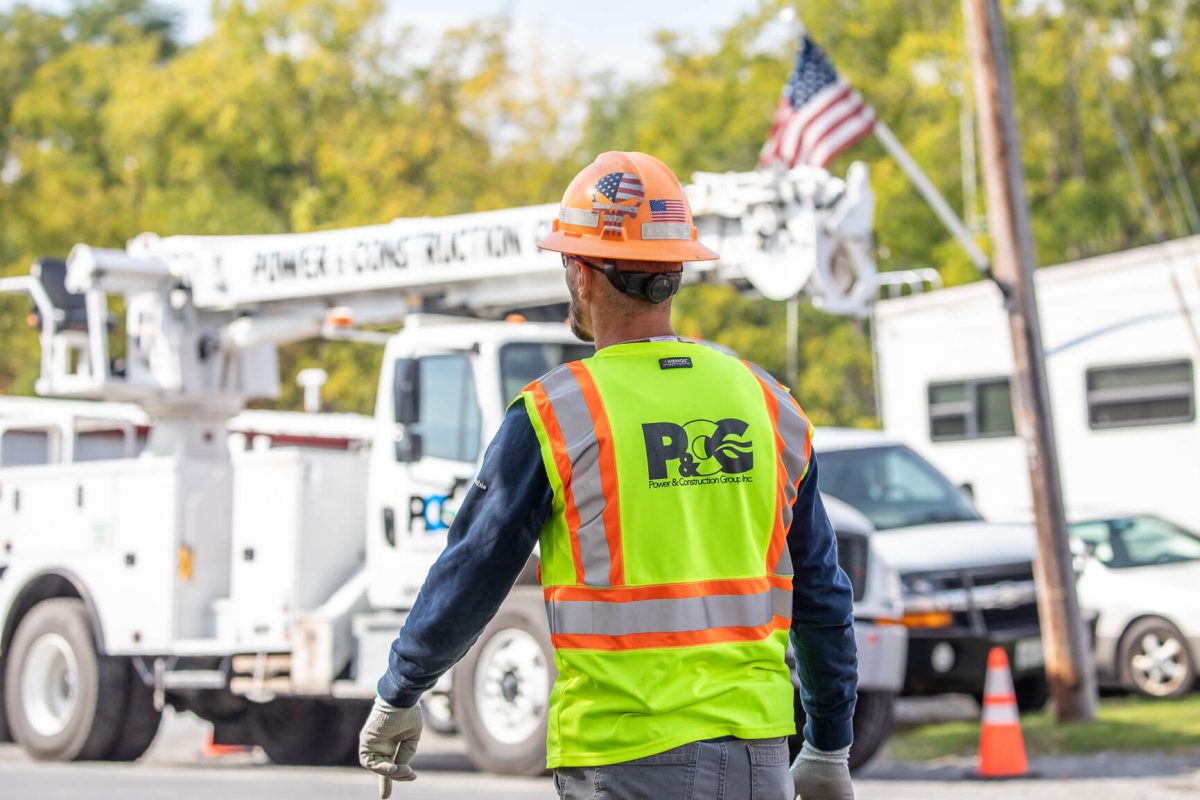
(733,769)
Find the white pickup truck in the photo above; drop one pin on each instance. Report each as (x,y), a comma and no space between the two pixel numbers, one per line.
(968,583)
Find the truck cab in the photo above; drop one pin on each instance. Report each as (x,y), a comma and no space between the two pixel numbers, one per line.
(443,390)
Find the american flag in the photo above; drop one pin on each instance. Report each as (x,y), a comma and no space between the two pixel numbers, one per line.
(618,186)
(819,114)
(667,211)
(615,187)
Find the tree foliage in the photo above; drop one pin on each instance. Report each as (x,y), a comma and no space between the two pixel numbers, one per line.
(295,115)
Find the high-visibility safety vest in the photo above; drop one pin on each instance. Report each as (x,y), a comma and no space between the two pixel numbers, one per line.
(664,561)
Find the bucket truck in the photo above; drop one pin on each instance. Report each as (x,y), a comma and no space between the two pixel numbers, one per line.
(145,563)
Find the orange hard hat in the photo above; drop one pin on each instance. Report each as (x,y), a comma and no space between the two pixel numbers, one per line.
(626,206)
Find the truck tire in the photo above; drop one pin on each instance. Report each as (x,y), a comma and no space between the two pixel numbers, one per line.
(308,732)
(1032,694)
(874,715)
(139,722)
(64,699)
(501,689)
(1155,659)
(873,718)
(5,733)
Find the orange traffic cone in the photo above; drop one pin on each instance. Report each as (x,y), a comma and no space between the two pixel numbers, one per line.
(214,750)
(1001,747)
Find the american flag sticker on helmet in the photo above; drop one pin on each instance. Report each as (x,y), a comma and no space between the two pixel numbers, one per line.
(618,186)
(668,211)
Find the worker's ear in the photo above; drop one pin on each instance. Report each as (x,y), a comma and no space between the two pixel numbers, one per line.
(584,285)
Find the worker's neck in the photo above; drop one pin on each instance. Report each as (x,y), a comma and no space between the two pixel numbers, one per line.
(631,328)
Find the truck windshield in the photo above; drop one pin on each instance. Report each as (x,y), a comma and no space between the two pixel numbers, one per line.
(1137,541)
(523,362)
(892,486)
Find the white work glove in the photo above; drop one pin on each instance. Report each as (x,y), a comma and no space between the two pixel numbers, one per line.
(387,743)
(822,774)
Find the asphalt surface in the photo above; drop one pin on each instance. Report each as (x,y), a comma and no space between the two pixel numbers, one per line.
(176,768)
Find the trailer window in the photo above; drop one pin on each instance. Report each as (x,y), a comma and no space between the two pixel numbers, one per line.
(448,416)
(1141,394)
(970,409)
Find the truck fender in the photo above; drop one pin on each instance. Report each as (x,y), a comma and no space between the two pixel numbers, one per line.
(47,585)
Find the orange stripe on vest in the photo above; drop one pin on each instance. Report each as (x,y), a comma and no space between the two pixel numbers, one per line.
(558,448)
(608,471)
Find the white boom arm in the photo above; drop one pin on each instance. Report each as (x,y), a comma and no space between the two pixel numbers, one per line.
(205,313)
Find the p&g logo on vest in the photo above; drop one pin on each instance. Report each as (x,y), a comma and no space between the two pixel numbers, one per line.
(697,453)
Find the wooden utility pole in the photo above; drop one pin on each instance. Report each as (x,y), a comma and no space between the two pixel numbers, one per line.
(1068,661)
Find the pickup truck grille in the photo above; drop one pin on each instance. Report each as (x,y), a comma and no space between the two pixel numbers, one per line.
(986,599)
(852,558)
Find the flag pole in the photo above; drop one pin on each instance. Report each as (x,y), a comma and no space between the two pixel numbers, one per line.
(932,196)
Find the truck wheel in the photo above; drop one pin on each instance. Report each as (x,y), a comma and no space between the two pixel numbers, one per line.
(64,699)
(873,717)
(501,690)
(437,712)
(305,732)
(874,714)
(1155,659)
(139,722)
(1032,693)
(5,733)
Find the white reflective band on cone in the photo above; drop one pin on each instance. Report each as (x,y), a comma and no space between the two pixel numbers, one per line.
(999,713)
(998,683)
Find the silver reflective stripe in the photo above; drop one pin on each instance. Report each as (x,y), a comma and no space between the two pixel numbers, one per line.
(575,422)
(793,428)
(669,616)
(666,230)
(578,216)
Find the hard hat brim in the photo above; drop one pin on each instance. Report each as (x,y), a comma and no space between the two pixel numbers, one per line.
(637,250)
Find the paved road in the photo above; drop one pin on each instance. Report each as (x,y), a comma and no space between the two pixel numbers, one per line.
(176,769)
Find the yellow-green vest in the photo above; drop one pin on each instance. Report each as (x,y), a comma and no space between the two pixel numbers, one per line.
(664,562)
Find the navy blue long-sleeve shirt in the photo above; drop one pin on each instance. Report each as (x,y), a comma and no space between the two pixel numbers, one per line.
(495,532)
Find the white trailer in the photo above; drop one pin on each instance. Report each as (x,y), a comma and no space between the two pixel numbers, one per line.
(260,587)
(1121,337)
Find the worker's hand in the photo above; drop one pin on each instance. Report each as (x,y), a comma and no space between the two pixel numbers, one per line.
(822,774)
(388,742)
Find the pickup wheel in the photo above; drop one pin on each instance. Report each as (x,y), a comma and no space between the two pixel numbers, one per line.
(1155,659)
(1032,692)
(501,690)
(64,700)
(874,715)
(139,722)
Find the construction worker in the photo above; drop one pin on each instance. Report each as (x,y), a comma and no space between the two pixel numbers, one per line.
(673,491)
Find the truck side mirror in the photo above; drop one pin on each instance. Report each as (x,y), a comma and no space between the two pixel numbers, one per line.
(968,491)
(407,391)
(408,447)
